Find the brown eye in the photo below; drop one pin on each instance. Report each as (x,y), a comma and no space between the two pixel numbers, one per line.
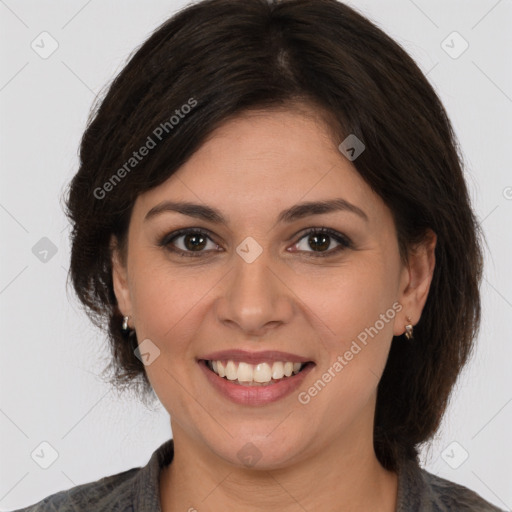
(194,241)
(321,241)
(186,242)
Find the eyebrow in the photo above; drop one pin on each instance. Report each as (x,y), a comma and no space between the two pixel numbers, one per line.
(296,212)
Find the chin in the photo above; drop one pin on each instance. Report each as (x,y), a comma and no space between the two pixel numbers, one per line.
(260,451)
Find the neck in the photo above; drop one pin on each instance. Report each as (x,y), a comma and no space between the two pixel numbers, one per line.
(338,477)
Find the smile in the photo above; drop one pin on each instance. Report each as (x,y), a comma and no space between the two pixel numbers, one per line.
(255,374)
(254,384)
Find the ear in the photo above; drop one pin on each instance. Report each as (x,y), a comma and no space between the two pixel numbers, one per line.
(415,282)
(120,278)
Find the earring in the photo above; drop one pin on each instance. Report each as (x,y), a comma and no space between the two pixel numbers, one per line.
(408,329)
(129,334)
(125,327)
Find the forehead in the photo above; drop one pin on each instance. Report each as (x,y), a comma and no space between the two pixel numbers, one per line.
(261,162)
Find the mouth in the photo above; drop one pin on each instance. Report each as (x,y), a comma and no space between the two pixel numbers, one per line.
(262,374)
(254,378)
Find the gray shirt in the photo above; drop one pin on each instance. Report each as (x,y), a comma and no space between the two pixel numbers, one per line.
(137,490)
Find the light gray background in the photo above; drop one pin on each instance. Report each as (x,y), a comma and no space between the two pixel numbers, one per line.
(51,354)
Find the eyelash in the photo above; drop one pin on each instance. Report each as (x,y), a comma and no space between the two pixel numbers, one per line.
(345,242)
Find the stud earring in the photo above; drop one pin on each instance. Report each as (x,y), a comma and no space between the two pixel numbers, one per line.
(408,329)
(125,327)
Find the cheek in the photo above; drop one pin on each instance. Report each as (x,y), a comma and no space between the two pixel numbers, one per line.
(355,315)
(159,304)
(359,314)
(352,301)
(167,302)
(168,312)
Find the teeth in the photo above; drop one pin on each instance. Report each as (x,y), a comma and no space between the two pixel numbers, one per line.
(262,373)
(231,373)
(278,370)
(254,373)
(244,372)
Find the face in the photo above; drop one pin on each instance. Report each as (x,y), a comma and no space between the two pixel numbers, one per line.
(262,283)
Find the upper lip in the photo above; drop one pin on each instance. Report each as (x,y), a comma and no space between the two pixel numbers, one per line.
(254,357)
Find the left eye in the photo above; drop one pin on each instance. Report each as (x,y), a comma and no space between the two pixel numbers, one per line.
(321,239)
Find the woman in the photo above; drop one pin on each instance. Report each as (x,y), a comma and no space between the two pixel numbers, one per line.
(271,220)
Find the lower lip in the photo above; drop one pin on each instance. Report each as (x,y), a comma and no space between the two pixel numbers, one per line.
(255,395)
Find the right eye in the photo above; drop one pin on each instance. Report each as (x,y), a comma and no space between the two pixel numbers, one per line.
(193,241)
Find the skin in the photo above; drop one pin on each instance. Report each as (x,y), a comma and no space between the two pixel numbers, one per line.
(315,456)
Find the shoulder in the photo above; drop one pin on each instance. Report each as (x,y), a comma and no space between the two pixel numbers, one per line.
(421,490)
(449,495)
(112,493)
(136,489)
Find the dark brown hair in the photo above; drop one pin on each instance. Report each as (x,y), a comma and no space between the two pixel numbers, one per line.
(221,57)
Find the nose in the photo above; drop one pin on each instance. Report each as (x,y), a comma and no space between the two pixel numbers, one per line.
(254,297)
